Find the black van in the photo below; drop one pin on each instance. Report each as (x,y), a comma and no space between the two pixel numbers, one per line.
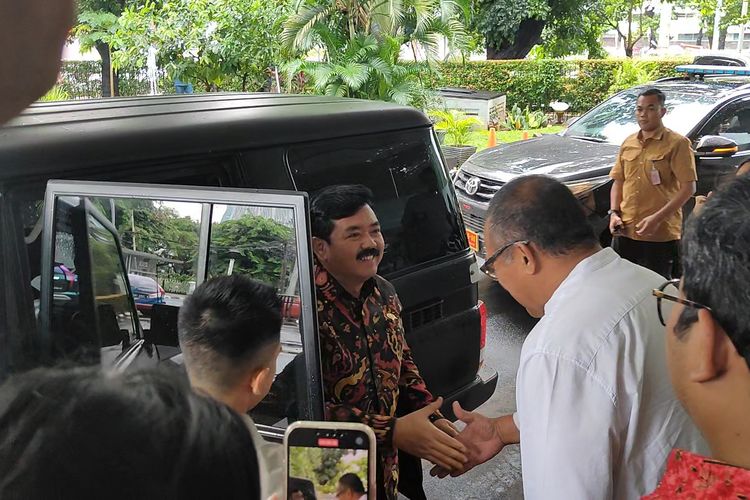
(229,173)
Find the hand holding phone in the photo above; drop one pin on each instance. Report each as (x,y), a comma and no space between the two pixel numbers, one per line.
(326,459)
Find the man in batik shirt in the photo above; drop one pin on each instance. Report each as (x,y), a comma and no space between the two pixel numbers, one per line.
(708,347)
(369,374)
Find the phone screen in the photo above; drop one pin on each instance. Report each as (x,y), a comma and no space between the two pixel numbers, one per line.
(327,464)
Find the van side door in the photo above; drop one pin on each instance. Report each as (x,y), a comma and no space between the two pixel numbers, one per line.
(99,238)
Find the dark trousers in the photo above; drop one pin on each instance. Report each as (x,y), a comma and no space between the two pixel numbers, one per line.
(410,478)
(660,257)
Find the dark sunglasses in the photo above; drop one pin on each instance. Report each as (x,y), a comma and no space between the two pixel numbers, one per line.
(488,268)
(660,294)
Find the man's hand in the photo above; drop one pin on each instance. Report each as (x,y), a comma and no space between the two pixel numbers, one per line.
(649,225)
(481,437)
(415,434)
(615,223)
(447,426)
(32,34)
(700,201)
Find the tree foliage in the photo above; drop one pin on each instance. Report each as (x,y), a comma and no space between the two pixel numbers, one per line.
(259,245)
(205,41)
(731,14)
(95,29)
(359,43)
(512,29)
(638,16)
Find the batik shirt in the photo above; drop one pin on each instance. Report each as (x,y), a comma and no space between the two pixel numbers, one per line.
(367,365)
(692,476)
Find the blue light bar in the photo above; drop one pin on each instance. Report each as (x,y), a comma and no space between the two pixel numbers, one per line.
(704,69)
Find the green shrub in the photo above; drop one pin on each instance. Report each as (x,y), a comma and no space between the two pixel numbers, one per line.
(459,129)
(524,119)
(536,83)
(56,93)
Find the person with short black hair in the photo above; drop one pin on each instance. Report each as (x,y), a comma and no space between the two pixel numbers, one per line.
(596,415)
(81,433)
(229,331)
(369,374)
(654,176)
(350,487)
(708,347)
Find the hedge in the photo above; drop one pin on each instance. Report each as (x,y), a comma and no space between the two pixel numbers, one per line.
(532,83)
(536,83)
(82,79)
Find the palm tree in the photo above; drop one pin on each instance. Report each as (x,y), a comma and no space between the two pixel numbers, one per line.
(360,42)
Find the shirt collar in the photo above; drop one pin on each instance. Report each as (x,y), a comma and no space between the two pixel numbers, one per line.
(334,290)
(657,137)
(584,268)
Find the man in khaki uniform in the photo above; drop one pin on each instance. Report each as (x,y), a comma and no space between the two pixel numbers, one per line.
(654,175)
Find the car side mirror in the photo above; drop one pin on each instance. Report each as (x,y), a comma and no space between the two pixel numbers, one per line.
(716,145)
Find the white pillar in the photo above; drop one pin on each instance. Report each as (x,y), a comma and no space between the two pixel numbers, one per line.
(717,20)
(741,40)
(665,18)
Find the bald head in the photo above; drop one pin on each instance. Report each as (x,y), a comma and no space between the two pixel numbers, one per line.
(541,210)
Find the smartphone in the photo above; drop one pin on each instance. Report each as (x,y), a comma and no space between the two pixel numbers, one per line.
(320,454)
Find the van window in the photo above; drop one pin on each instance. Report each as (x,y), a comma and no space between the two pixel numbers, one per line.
(163,248)
(414,203)
(92,318)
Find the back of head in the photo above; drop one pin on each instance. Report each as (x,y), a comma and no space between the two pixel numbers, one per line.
(716,262)
(225,325)
(543,211)
(352,482)
(333,203)
(80,433)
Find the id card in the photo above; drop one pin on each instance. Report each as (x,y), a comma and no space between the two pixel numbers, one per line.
(654,176)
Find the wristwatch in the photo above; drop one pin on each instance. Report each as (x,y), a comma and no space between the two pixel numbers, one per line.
(613,211)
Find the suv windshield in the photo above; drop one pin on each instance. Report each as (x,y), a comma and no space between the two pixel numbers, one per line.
(614,119)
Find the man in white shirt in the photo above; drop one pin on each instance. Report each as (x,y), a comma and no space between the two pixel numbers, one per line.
(230,336)
(596,415)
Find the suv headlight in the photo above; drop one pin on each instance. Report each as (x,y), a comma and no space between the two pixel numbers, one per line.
(582,188)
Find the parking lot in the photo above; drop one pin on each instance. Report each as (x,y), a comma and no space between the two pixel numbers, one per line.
(500,478)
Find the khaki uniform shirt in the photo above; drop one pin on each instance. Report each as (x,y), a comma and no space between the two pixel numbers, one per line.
(670,155)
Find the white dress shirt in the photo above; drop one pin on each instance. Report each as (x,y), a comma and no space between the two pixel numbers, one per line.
(596,409)
(270,463)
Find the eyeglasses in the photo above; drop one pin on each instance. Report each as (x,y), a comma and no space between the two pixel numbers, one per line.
(488,268)
(659,294)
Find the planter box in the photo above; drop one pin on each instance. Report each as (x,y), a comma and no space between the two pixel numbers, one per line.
(455,156)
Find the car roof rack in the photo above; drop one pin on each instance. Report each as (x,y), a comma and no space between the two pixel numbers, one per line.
(700,71)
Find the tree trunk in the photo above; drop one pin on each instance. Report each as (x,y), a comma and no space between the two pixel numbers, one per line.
(699,39)
(722,38)
(629,42)
(103,50)
(529,34)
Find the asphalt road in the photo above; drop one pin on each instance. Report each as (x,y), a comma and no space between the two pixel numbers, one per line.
(500,478)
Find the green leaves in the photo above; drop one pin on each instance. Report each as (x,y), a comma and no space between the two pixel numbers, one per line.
(458,127)
(205,41)
(359,42)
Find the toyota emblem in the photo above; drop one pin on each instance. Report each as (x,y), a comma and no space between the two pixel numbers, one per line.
(472,185)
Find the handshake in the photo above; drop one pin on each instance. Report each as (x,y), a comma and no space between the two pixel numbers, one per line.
(452,451)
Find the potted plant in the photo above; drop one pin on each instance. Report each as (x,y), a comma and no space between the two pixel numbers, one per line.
(458,130)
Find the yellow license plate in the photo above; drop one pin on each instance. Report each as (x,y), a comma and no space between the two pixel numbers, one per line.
(473,240)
